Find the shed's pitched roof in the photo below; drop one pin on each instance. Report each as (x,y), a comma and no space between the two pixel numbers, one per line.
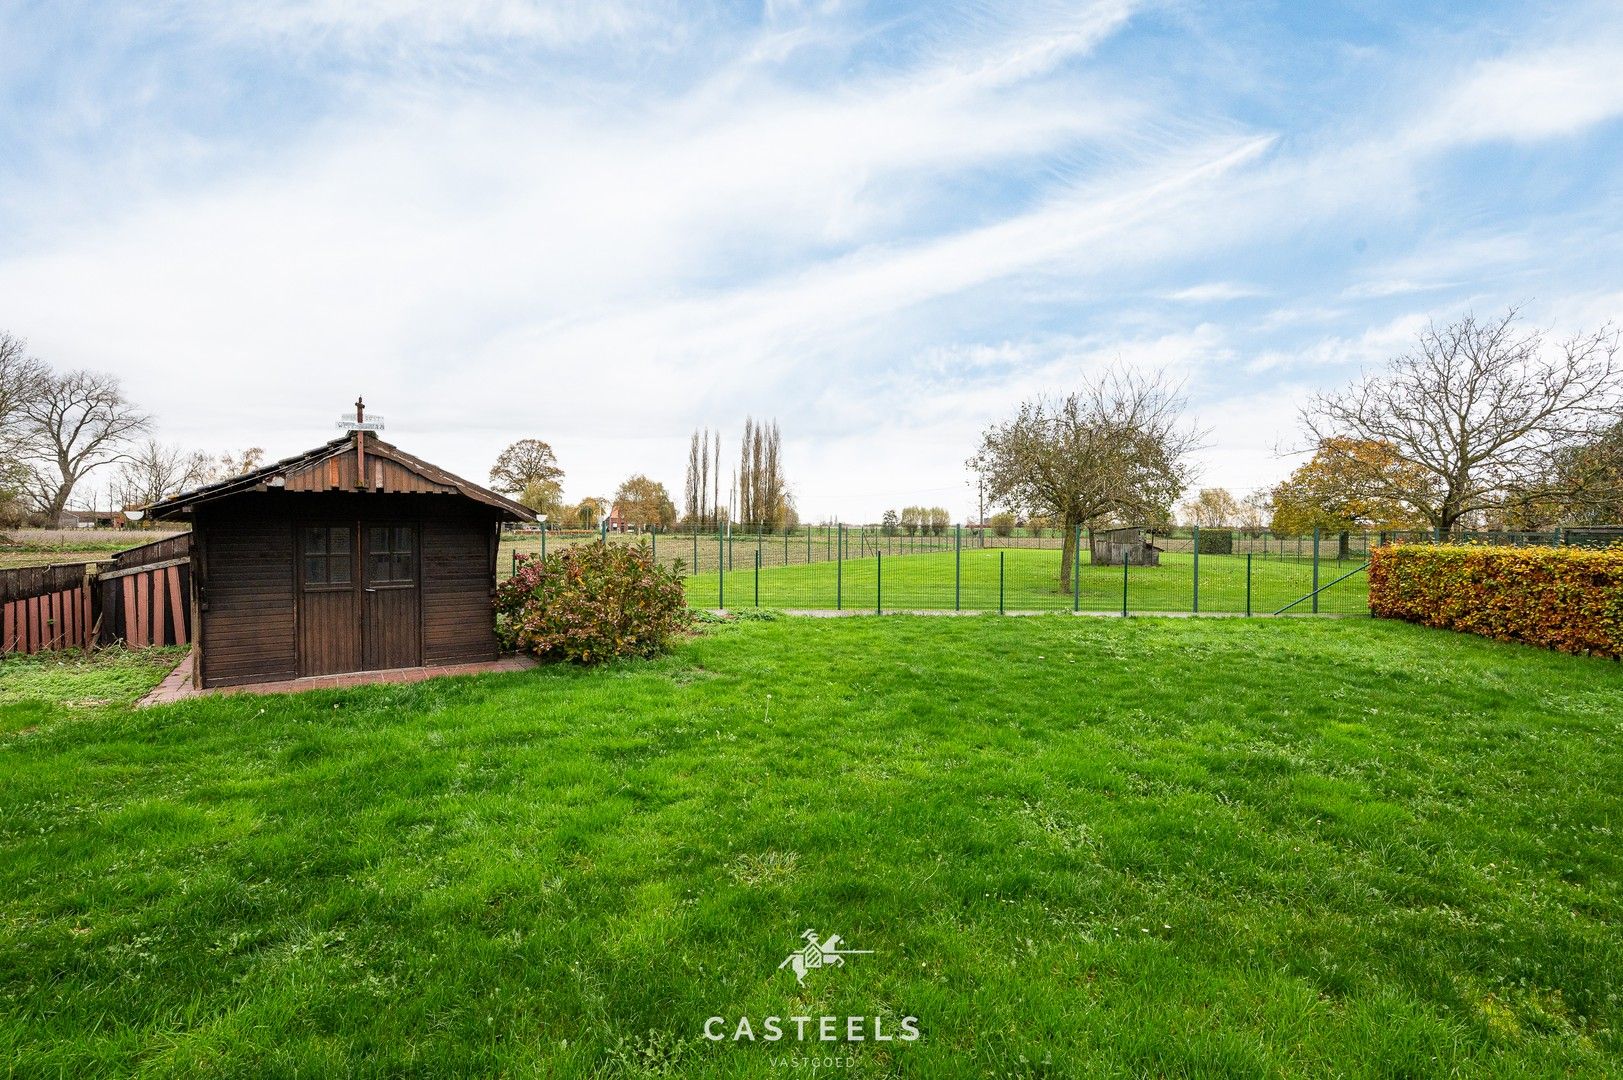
(331,467)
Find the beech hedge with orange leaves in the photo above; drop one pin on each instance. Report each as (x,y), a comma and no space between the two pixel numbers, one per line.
(1567,599)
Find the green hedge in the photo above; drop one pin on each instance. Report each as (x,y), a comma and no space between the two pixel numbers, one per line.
(1567,599)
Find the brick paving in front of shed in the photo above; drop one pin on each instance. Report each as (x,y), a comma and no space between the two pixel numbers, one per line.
(177,685)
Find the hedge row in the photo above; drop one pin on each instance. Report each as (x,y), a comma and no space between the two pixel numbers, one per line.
(1568,599)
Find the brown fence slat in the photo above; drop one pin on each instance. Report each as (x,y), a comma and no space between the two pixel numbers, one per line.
(131,623)
(143,609)
(158,608)
(177,608)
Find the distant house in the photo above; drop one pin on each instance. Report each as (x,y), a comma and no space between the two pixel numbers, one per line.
(614,521)
(92,519)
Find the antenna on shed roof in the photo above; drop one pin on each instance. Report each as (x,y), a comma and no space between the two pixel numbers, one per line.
(360,426)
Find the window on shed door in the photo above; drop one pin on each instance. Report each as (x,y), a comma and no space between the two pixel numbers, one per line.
(390,553)
(327,555)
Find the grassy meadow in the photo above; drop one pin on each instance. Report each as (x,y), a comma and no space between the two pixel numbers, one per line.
(926,574)
(1027,579)
(1075,847)
(44,547)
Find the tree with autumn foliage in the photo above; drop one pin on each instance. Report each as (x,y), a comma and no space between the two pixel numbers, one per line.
(643,503)
(1332,491)
(524,464)
(1482,413)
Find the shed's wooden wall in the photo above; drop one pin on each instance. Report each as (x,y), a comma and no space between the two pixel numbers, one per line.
(244,573)
(246,577)
(459,573)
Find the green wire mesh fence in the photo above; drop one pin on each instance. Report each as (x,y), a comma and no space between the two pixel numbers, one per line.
(871,569)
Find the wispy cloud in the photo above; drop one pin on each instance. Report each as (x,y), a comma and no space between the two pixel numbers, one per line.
(605,224)
(1215,292)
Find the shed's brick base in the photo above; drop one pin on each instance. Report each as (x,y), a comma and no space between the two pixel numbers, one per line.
(177,685)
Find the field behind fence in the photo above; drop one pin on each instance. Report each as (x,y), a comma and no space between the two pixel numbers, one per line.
(857,568)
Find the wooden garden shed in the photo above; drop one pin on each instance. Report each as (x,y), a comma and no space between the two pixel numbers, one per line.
(1109,547)
(351,557)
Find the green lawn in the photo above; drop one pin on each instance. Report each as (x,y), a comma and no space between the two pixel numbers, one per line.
(1076,847)
(1030,582)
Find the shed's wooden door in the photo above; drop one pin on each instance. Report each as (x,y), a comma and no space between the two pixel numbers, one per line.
(391,597)
(329,614)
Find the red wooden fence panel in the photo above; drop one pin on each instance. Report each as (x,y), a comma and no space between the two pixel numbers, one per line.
(56,620)
(140,597)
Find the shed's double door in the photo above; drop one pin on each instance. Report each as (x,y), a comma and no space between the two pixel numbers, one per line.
(360,597)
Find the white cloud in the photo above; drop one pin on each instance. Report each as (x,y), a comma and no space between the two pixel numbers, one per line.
(1537,94)
(885,255)
(1215,292)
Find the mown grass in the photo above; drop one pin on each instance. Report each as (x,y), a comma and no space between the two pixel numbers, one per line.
(1077,847)
(51,682)
(1027,579)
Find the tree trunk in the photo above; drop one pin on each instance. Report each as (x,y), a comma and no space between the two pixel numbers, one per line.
(1068,553)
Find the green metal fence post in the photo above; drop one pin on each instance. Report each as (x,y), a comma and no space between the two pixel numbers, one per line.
(653,546)
(1196,607)
(515,560)
(757,579)
(1248,583)
(958,568)
(721,572)
(695,549)
(1315,569)
(1076,572)
(878,583)
(839,567)
(1124,584)
(1000,582)
(543,540)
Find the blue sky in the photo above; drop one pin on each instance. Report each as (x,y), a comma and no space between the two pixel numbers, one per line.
(606,224)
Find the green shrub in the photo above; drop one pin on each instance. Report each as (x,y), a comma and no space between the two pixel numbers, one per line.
(1216,542)
(1566,599)
(592,602)
(1002,524)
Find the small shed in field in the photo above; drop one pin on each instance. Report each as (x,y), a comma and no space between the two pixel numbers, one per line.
(349,557)
(1134,545)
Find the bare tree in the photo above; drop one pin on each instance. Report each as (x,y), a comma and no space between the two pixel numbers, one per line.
(230,464)
(1483,411)
(154,471)
(703,488)
(76,423)
(693,484)
(1115,450)
(763,494)
(20,379)
(1212,508)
